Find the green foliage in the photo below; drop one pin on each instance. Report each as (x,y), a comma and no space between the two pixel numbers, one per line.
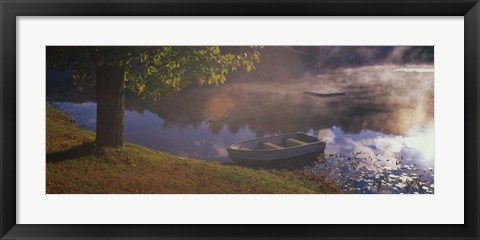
(156,71)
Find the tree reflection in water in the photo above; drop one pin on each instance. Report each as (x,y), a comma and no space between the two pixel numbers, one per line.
(387,114)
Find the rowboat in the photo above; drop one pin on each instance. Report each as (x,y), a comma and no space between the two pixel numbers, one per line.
(326,94)
(276,148)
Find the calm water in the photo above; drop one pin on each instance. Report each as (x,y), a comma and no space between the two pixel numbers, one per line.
(380,136)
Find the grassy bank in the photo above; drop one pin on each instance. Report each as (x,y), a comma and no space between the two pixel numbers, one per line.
(74,165)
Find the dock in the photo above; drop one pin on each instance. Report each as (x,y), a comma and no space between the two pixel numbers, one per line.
(327,94)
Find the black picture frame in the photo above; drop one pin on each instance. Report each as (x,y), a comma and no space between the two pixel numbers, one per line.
(11,9)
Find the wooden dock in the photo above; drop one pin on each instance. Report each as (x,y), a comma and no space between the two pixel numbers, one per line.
(327,94)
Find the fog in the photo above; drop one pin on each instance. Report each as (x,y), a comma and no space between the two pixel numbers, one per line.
(389,90)
(380,132)
(389,98)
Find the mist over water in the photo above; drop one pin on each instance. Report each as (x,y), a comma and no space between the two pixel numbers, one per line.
(381,130)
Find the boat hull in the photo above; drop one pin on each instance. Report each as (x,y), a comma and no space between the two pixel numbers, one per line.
(240,155)
(311,146)
(292,163)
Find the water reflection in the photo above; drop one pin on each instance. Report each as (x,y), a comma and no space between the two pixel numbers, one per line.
(378,98)
(148,129)
(372,162)
(381,129)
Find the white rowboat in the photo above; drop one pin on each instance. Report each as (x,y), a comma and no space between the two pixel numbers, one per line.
(280,147)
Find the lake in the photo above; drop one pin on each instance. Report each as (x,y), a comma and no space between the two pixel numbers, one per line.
(380,135)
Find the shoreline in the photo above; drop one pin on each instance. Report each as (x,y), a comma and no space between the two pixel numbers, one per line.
(75,166)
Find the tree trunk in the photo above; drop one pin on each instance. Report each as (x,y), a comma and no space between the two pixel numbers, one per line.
(110,94)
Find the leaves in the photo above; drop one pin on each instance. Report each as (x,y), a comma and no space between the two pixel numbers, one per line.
(156,71)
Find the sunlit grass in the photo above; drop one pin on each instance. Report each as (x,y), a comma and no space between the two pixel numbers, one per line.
(76,165)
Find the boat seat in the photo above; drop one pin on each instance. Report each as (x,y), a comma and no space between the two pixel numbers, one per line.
(269,145)
(292,142)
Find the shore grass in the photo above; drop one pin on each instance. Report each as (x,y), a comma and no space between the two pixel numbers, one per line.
(76,166)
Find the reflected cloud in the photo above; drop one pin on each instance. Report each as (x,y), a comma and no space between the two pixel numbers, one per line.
(326,135)
(373,162)
(219,106)
(378,150)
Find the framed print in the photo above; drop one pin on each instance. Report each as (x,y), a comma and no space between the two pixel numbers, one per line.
(224,119)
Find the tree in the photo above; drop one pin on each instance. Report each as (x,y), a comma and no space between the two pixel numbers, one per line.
(150,72)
